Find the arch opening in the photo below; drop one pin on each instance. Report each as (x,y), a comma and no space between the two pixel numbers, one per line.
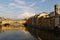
(6,24)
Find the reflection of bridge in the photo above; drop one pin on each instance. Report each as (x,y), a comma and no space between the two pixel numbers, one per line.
(4,28)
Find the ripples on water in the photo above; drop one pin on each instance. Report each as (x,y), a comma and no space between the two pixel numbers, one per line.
(16,35)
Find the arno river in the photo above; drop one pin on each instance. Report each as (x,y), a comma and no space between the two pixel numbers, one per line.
(16,35)
(19,33)
(7,33)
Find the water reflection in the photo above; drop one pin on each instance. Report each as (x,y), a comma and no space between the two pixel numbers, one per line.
(21,33)
(14,34)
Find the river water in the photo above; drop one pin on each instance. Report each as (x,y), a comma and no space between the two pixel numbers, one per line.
(19,33)
(16,35)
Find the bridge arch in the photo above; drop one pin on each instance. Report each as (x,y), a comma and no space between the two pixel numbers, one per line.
(6,24)
(12,22)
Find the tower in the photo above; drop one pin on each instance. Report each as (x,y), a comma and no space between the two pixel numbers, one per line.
(56,9)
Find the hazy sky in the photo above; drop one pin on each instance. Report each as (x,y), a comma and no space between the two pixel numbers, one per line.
(18,9)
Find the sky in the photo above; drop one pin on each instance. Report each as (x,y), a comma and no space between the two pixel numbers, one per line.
(19,9)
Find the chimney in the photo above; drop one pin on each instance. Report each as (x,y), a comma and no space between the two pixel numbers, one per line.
(56,9)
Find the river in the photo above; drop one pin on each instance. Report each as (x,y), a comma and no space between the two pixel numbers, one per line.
(19,33)
(15,35)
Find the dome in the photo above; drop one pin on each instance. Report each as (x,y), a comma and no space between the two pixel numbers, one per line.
(43,14)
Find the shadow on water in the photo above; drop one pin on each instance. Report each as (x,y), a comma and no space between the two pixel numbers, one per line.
(41,34)
(44,34)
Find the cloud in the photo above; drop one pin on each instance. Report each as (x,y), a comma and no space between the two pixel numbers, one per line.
(26,15)
(17,9)
(42,0)
(20,1)
(27,10)
(32,4)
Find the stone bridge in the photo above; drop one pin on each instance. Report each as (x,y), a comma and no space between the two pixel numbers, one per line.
(12,22)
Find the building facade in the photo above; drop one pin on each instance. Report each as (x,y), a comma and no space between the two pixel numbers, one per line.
(45,20)
(55,16)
